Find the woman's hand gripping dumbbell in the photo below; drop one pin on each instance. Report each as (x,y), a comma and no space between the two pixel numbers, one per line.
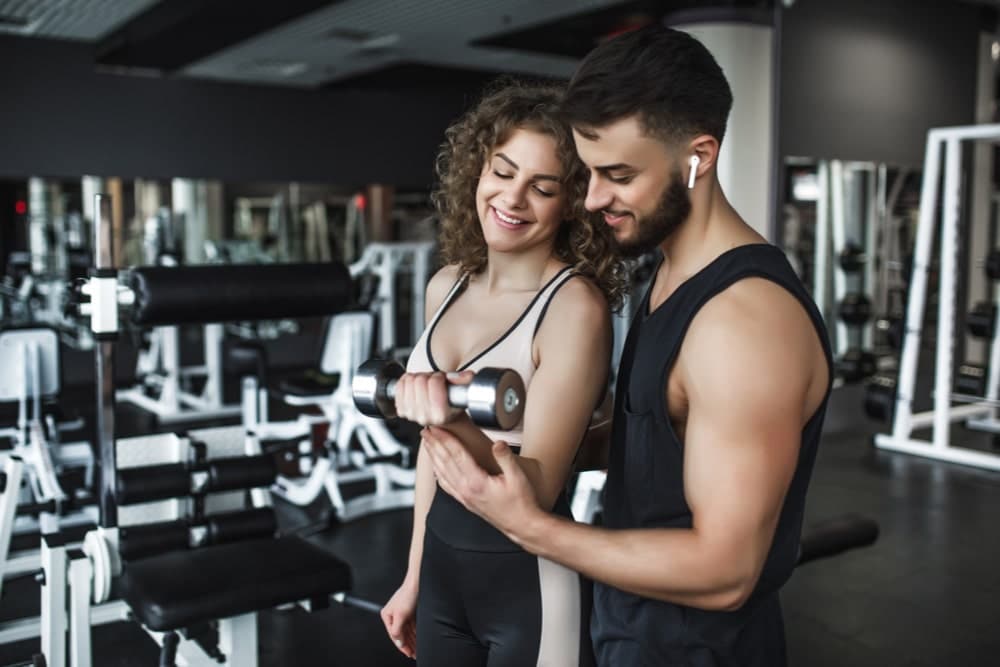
(494,398)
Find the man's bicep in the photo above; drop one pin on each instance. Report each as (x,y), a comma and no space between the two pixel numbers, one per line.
(741,447)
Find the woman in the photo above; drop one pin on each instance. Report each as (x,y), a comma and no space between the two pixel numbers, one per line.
(527,285)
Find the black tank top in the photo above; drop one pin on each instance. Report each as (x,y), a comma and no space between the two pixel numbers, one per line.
(645,488)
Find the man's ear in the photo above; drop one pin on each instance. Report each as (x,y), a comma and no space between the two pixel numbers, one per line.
(705,147)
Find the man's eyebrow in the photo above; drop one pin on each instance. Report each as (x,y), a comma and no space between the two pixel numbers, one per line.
(536,177)
(614,167)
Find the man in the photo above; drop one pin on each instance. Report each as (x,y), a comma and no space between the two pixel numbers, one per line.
(721,391)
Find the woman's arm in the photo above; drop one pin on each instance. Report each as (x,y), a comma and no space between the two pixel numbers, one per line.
(594,449)
(425,486)
(573,347)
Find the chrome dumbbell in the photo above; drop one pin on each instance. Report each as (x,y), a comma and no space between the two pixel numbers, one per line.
(494,398)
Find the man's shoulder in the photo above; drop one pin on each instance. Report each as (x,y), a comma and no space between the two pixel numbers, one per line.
(753,316)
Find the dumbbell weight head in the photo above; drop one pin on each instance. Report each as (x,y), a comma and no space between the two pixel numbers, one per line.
(981,319)
(992,264)
(971,380)
(371,387)
(880,397)
(855,309)
(494,398)
(855,365)
(852,258)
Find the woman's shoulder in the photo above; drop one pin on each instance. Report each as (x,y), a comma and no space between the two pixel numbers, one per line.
(577,300)
(578,290)
(440,284)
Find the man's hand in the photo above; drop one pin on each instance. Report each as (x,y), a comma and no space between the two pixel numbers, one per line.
(506,500)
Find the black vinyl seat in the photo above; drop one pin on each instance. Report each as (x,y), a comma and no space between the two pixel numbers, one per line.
(183,588)
(311,384)
(250,358)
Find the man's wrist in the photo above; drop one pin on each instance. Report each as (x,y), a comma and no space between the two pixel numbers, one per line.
(533,532)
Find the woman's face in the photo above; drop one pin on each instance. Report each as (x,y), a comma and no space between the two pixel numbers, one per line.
(521,198)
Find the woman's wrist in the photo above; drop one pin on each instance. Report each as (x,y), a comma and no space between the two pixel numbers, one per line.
(411,581)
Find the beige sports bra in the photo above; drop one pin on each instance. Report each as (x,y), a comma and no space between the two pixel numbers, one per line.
(511,350)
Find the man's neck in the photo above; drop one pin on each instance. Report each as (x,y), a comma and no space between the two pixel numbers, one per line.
(712,228)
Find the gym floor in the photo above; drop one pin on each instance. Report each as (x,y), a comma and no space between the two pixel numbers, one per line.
(924,595)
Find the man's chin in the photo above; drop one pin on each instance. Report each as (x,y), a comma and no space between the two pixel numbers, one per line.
(630,248)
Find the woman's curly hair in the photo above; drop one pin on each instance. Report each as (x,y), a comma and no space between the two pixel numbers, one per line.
(583,241)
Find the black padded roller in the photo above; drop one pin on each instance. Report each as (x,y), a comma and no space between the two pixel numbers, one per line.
(235,526)
(220,293)
(147,483)
(241,472)
(153,538)
(837,535)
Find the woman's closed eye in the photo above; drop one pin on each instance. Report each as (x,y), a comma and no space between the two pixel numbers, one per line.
(545,192)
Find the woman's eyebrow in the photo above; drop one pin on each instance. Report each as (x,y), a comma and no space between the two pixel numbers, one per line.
(537,177)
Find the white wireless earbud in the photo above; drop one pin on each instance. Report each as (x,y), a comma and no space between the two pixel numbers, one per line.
(694,162)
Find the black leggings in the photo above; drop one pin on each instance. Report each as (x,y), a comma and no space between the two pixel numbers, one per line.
(499,609)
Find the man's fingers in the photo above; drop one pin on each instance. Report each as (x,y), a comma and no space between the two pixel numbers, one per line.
(447,456)
(448,444)
(504,456)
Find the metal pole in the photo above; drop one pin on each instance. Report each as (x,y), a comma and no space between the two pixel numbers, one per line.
(946,292)
(838,223)
(104,322)
(821,248)
(901,428)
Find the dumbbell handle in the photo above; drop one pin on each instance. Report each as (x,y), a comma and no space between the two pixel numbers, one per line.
(458,394)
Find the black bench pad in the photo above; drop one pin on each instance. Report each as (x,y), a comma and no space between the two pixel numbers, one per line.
(182,588)
(310,385)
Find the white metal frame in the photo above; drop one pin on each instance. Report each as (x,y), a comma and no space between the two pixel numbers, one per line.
(385,260)
(174,404)
(831,226)
(587,495)
(940,418)
(348,343)
(33,356)
(70,598)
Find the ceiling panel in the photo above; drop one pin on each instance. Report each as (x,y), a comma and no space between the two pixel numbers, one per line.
(351,38)
(171,35)
(67,19)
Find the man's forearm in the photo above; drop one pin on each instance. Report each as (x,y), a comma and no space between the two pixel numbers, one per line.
(672,564)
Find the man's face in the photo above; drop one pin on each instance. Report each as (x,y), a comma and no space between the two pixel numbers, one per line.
(635,183)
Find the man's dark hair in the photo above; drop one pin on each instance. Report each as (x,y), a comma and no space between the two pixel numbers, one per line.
(665,76)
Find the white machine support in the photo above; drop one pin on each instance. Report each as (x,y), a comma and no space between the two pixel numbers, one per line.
(850,208)
(32,355)
(379,456)
(945,412)
(161,367)
(385,260)
(821,245)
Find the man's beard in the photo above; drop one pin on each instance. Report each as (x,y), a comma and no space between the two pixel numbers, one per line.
(652,230)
